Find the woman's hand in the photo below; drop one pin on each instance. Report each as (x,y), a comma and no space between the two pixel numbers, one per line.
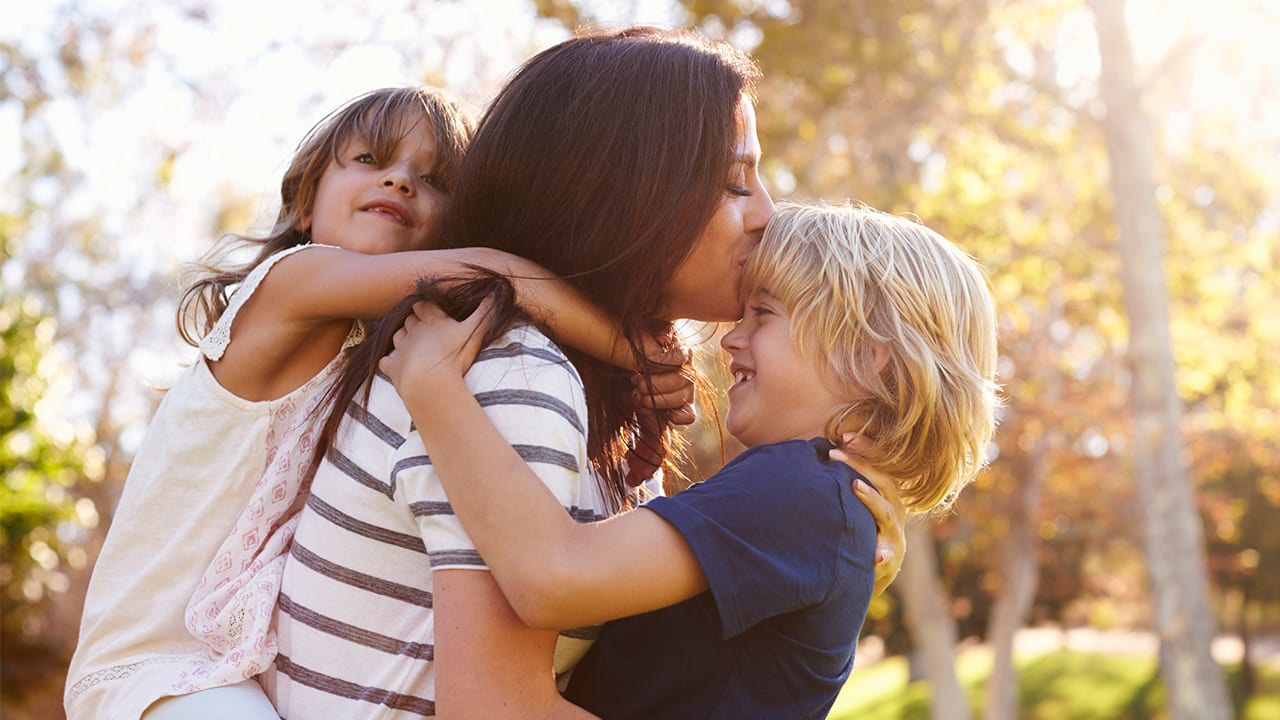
(433,347)
(885,506)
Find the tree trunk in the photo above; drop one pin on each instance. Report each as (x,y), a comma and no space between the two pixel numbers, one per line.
(1018,578)
(932,628)
(1184,621)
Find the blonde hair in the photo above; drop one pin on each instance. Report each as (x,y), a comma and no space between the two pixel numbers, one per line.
(378,117)
(904,324)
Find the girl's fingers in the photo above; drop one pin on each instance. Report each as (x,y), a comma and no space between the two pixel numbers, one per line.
(683,415)
(675,400)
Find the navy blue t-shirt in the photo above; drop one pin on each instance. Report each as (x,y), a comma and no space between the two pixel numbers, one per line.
(788,551)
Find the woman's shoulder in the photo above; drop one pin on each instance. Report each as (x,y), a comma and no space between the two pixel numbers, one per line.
(530,353)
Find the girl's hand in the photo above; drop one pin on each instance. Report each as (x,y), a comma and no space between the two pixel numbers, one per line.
(663,396)
(668,385)
(433,347)
(885,506)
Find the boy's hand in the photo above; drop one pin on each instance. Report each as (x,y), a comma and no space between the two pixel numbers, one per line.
(433,347)
(885,506)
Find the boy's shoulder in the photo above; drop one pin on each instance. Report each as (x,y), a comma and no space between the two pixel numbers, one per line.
(794,457)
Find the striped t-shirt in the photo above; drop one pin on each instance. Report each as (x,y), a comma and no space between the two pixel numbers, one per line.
(355,621)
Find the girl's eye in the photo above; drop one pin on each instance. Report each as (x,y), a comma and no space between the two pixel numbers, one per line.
(738,190)
(365,158)
(759,310)
(433,180)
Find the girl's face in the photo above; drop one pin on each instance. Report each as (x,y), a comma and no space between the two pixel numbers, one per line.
(706,287)
(375,205)
(778,394)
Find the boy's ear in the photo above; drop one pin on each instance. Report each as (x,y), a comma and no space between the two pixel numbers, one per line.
(881,356)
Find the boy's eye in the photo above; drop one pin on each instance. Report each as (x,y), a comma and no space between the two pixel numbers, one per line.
(759,310)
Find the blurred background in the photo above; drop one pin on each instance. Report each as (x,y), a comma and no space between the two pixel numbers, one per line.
(1114,165)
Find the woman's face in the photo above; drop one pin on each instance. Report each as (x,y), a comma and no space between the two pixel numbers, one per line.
(706,285)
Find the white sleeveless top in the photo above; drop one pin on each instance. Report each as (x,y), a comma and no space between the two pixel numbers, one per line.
(211,462)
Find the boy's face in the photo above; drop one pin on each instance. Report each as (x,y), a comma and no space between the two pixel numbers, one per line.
(778,394)
(377,205)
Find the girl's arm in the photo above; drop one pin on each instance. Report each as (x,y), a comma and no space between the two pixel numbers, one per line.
(324,284)
(488,663)
(555,572)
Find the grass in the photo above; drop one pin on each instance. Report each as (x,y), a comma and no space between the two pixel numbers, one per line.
(1062,685)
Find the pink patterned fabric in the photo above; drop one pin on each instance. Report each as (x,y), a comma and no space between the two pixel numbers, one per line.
(233,604)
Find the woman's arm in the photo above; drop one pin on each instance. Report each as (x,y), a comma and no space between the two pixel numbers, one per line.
(488,663)
(886,506)
(555,572)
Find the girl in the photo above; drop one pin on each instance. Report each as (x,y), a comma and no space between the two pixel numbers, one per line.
(755,583)
(627,163)
(231,444)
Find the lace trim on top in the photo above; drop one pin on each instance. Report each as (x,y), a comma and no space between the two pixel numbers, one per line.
(215,343)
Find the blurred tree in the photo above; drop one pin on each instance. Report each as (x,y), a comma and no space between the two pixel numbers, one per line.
(42,463)
(1174,543)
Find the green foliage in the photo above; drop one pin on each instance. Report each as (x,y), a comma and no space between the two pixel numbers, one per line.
(1061,685)
(40,468)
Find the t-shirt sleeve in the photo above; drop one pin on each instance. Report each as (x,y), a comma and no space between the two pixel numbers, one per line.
(767,530)
(534,397)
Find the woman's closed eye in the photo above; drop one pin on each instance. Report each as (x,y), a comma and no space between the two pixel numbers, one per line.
(738,183)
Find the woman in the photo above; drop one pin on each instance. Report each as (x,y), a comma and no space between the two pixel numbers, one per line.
(627,163)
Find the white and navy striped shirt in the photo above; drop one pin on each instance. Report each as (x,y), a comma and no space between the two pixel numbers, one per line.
(355,621)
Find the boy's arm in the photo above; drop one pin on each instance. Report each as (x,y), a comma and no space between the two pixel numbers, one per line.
(555,572)
(323,284)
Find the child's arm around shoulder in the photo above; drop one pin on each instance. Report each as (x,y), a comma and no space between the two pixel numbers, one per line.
(556,573)
(295,322)
(325,284)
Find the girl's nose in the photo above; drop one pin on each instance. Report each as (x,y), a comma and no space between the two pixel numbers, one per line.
(399,180)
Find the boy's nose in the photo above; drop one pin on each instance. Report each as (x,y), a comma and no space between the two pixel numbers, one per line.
(732,340)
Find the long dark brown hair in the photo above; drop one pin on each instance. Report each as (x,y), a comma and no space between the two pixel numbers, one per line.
(378,118)
(458,296)
(602,159)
